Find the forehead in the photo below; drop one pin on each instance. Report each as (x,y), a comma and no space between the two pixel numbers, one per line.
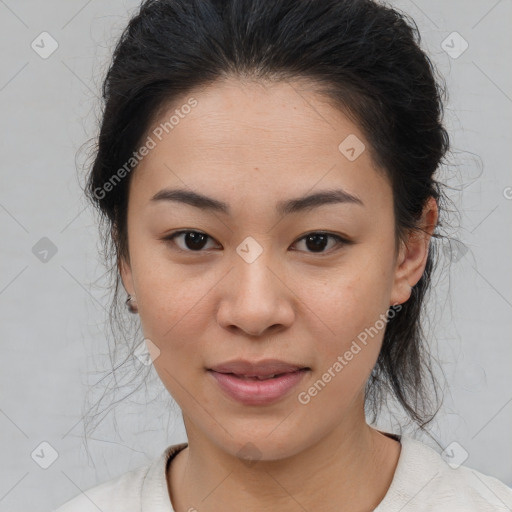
(256,138)
(271,117)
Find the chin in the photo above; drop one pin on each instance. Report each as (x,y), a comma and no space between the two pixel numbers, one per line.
(254,447)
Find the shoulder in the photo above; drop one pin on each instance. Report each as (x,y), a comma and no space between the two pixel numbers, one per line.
(127,492)
(425,482)
(122,493)
(116,495)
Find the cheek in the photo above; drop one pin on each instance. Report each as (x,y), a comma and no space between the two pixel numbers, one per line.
(346,352)
(172,309)
(169,301)
(174,315)
(354,297)
(353,305)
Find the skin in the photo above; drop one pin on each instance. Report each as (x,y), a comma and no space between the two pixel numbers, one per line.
(253,144)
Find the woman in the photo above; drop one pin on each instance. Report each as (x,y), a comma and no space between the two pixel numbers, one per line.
(267,174)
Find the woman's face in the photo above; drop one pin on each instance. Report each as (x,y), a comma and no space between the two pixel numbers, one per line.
(255,287)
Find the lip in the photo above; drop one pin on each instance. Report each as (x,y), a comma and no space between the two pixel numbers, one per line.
(262,368)
(258,392)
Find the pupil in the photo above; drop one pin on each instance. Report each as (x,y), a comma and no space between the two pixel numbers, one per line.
(315,239)
(194,240)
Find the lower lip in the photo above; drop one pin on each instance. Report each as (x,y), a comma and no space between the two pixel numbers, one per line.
(257,392)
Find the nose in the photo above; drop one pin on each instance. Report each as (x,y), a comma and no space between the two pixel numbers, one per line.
(255,298)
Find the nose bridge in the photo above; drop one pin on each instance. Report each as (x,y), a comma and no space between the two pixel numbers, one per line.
(256,299)
(254,280)
(255,275)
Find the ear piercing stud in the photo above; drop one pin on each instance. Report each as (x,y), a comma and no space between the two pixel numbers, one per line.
(130,304)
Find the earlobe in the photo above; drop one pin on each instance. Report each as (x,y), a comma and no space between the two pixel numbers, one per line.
(413,255)
(408,271)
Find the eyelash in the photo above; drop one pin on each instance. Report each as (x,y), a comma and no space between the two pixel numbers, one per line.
(340,240)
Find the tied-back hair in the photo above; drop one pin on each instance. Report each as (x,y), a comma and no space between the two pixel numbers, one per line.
(363,56)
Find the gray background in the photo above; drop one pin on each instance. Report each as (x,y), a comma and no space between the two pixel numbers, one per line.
(53,312)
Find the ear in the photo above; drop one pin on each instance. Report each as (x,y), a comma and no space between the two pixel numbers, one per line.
(413,254)
(123,266)
(125,271)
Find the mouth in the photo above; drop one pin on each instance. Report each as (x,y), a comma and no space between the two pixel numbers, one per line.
(261,377)
(252,390)
(262,370)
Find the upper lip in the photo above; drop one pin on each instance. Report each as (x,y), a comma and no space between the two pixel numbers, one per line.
(262,368)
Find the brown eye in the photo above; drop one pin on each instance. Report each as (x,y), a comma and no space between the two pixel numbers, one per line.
(316,242)
(196,241)
(192,241)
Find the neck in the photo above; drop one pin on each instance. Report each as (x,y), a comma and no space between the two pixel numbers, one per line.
(349,469)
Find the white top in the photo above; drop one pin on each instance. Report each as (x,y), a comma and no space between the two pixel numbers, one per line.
(422,482)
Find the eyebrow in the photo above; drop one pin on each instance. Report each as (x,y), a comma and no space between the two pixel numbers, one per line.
(337,196)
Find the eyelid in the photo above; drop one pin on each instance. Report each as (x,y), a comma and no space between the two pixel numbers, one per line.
(341,240)
(170,238)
